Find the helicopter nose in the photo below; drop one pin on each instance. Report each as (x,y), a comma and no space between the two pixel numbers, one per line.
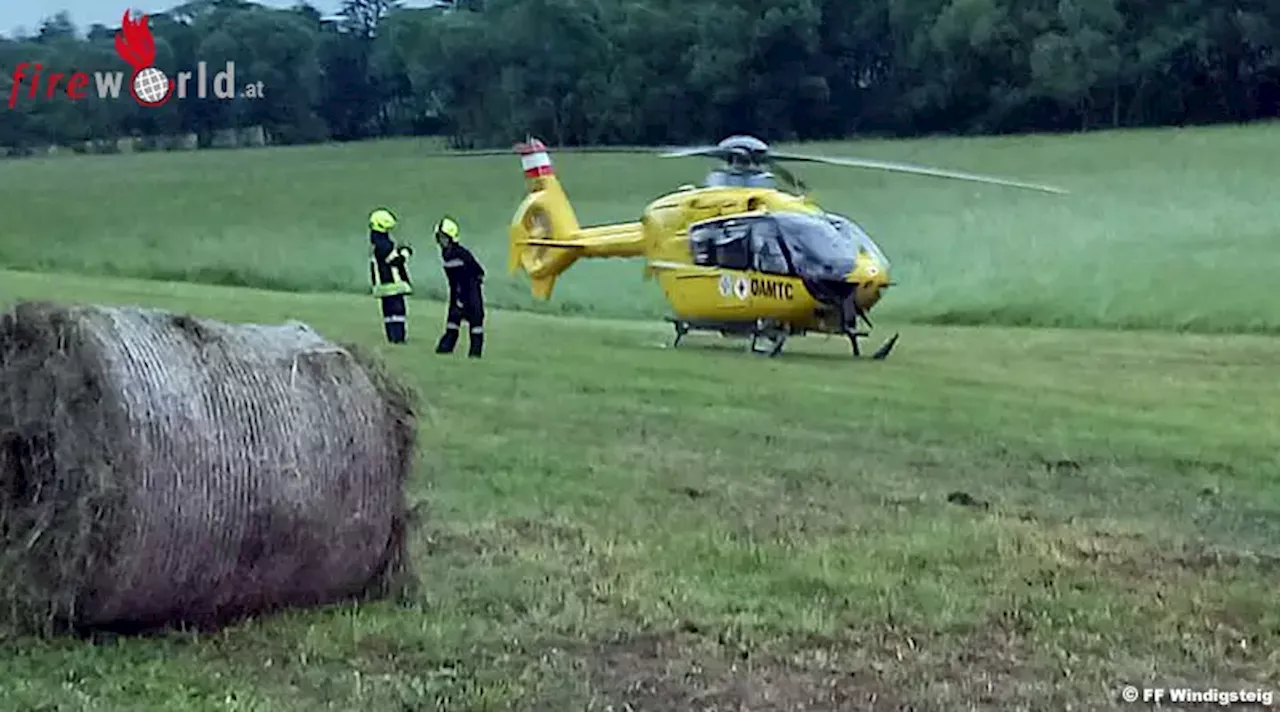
(871,279)
(869,272)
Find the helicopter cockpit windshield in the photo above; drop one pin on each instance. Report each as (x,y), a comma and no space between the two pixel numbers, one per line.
(854,232)
(824,247)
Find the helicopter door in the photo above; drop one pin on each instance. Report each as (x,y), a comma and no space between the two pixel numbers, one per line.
(717,291)
(769,252)
(733,249)
(774,289)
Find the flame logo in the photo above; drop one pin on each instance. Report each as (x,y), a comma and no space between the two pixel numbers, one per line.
(136,46)
(134,42)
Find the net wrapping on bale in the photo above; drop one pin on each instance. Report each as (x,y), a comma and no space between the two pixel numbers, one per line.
(158,469)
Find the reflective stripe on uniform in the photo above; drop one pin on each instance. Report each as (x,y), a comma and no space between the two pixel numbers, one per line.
(393,319)
(453,263)
(392,289)
(396,287)
(451,326)
(477,329)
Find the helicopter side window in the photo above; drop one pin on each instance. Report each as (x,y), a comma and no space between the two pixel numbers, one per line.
(702,241)
(733,250)
(770,255)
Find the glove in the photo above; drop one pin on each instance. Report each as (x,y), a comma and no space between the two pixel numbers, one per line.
(407,249)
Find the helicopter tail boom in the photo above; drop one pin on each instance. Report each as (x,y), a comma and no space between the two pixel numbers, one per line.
(620,240)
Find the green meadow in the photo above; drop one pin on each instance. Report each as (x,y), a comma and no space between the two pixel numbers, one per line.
(1163,229)
(995,518)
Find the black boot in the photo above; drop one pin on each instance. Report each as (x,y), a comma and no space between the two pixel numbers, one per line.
(476,346)
(447,341)
(395,332)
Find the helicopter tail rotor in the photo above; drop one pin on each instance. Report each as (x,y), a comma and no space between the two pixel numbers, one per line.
(545,216)
(545,238)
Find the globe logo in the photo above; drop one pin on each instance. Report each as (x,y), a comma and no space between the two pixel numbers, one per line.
(150,86)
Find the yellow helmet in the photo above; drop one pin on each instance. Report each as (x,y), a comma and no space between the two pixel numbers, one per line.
(448,227)
(381,220)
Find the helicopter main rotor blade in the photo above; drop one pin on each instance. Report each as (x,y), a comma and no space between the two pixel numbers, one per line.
(919,170)
(694,151)
(469,153)
(482,152)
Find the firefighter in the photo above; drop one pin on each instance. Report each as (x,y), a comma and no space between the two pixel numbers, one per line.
(466,298)
(389,273)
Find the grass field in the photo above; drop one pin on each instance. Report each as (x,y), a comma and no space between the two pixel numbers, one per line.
(1164,229)
(993,519)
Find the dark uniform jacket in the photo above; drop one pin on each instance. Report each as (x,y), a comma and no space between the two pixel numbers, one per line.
(388,271)
(464,273)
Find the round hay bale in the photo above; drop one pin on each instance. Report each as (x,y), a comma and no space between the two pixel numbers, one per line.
(160,470)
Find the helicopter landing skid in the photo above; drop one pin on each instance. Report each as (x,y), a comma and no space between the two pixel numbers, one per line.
(880,353)
(776,339)
(765,341)
(769,340)
(682,328)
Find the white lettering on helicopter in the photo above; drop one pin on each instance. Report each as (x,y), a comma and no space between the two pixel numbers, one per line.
(772,289)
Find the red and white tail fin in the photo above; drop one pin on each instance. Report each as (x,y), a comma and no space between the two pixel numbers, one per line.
(534,159)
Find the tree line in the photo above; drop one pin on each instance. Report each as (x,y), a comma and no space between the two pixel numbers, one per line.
(574,72)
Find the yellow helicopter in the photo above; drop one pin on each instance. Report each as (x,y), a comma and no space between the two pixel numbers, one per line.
(739,255)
